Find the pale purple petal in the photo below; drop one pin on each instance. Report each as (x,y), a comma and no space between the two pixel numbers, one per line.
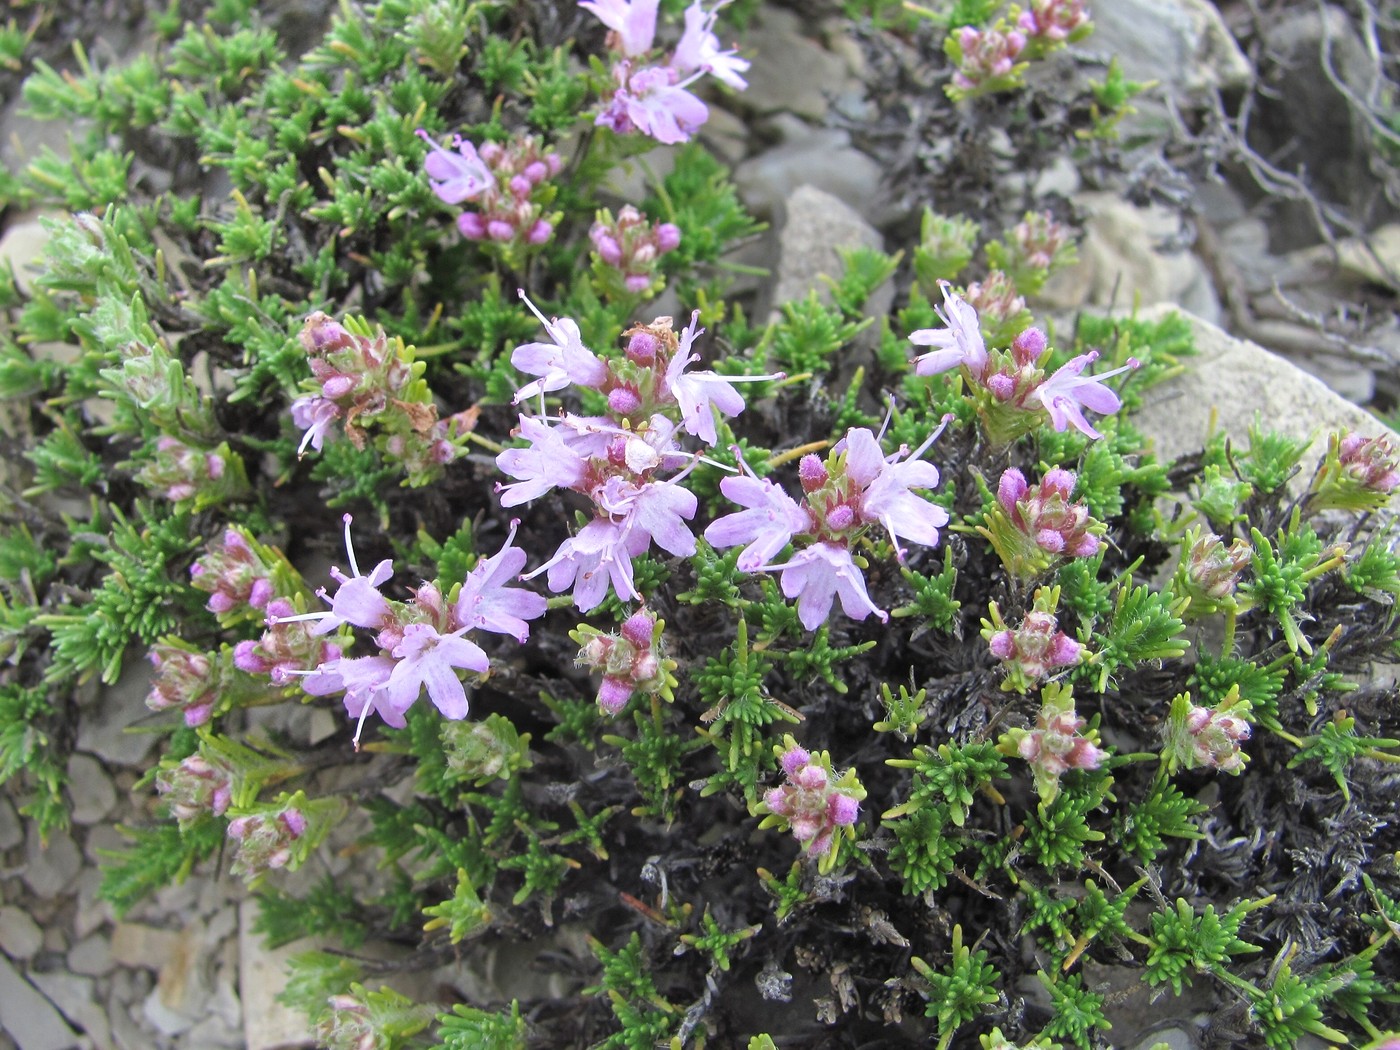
(767,526)
(660,108)
(456,175)
(634,22)
(661,511)
(488,603)
(547,462)
(961,343)
(820,573)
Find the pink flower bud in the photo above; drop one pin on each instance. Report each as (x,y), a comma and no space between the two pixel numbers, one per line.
(471,225)
(812,777)
(1028,346)
(636,283)
(840,517)
(1003,645)
(491,153)
(613,694)
(794,759)
(843,810)
(536,171)
(520,186)
(775,799)
(623,401)
(498,230)
(637,629)
(540,232)
(811,471)
(1001,385)
(607,248)
(642,348)
(668,237)
(338,386)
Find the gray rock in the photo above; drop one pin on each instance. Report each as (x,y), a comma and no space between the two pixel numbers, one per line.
(22,248)
(267,1024)
(91,956)
(1122,261)
(76,998)
(30,1019)
(20,936)
(816,227)
(50,870)
(791,72)
(91,789)
(1183,44)
(11,830)
(92,912)
(104,728)
(1243,382)
(825,159)
(1173,1038)
(163,1019)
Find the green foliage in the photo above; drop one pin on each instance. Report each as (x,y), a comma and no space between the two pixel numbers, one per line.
(926,849)
(808,335)
(467,1028)
(818,659)
(1213,678)
(1272,458)
(1083,593)
(1164,812)
(865,269)
(1282,573)
(1077,1011)
(654,757)
(1375,571)
(903,713)
(328,909)
(1290,1007)
(646,1018)
(31,761)
(463,914)
(933,595)
(1145,625)
(1056,833)
(717,942)
(957,993)
(701,200)
(158,856)
(1336,746)
(951,774)
(790,892)
(1159,345)
(1184,942)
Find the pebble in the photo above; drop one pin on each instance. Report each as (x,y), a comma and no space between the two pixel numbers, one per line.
(92,912)
(794,74)
(20,936)
(76,998)
(11,830)
(824,159)
(267,1024)
(50,869)
(91,956)
(103,729)
(21,247)
(817,226)
(91,790)
(29,1018)
(142,947)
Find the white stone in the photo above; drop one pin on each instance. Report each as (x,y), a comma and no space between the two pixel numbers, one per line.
(11,830)
(142,947)
(1120,263)
(793,73)
(824,159)
(50,869)
(1183,44)
(91,789)
(92,911)
(267,1024)
(30,1019)
(20,936)
(21,248)
(103,730)
(91,956)
(162,1018)
(76,998)
(1242,384)
(818,225)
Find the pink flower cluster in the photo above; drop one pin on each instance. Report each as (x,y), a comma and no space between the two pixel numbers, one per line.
(194,788)
(179,472)
(627,250)
(1033,649)
(509,185)
(1373,463)
(986,56)
(1056,745)
(421,642)
(1214,739)
(616,460)
(813,805)
(185,680)
(232,574)
(630,661)
(1053,21)
(1014,393)
(265,840)
(857,487)
(651,96)
(365,380)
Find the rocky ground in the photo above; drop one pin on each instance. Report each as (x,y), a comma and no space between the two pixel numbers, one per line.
(183,969)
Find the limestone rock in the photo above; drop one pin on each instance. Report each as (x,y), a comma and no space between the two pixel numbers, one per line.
(20,936)
(30,1019)
(793,73)
(817,226)
(1183,44)
(11,830)
(142,947)
(91,789)
(1122,262)
(103,729)
(824,159)
(267,1024)
(76,999)
(1242,382)
(49,870)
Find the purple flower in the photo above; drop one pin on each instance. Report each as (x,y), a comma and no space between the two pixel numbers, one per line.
(699,49)
(566,361)
(816,576)
(357,600)
(1066,390)
(768,524)
(633,22)
(548,462)
(458,176)
(363,680)
(886,482)
(487,603)
(602,552)
(654,101)
(315,415)
(427,658)
(960,344)
(698,391)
